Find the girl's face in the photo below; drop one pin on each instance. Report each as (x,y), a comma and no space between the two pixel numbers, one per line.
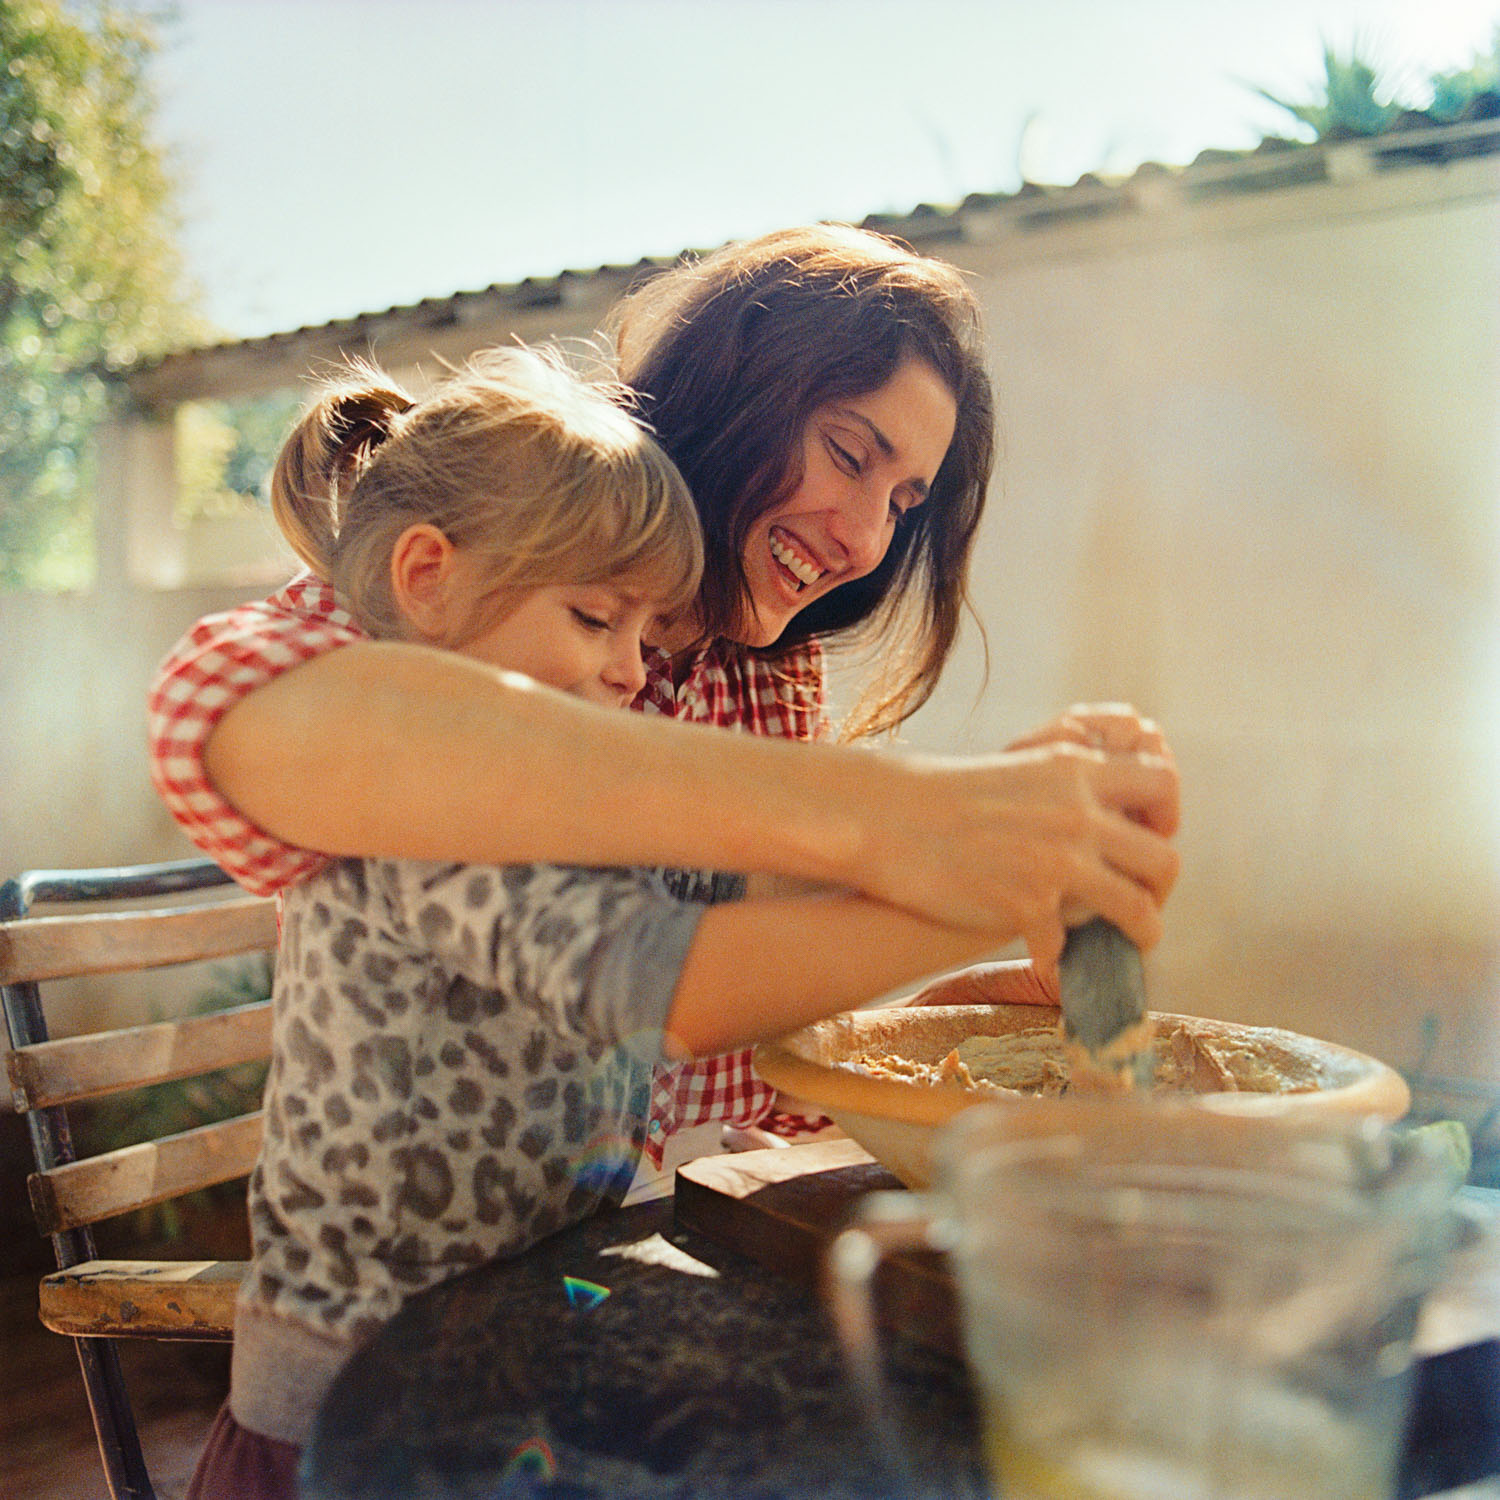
(866,461)
(582,638)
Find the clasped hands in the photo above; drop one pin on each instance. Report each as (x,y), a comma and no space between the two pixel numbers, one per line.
(1110,851)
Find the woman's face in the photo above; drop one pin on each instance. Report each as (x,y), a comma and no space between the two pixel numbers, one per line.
(866,461)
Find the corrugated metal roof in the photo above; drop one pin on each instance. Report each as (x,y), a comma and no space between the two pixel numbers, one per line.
(1412,139)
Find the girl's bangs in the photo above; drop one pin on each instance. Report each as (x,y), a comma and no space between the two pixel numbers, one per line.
(646,528)
(665,564)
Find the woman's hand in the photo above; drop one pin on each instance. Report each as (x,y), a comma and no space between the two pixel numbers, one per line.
(1114,728)
(1010,981)
(1037,838)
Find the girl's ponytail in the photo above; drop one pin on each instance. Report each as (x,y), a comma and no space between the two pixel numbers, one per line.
(326,452)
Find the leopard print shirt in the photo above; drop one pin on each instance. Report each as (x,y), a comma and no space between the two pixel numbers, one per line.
(461,1065)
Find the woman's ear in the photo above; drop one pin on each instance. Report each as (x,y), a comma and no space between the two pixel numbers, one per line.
(425,582)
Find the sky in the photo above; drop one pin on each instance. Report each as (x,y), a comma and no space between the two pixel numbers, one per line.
(344,156)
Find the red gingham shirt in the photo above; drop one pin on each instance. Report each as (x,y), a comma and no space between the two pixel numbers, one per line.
(228,655)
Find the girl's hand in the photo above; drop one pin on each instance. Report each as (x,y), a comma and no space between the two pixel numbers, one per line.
(1115,728)
(1011,981)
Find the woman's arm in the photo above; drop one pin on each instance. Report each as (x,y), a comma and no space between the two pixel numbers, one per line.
(381,749)
(384,749)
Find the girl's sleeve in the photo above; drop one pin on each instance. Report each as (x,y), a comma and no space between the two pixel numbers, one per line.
(596,953)
(221,660)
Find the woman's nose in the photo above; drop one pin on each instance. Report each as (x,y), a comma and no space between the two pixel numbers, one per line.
(861,527)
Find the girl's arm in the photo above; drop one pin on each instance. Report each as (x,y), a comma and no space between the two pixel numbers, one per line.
(382,749)
(758,969)
(1007,981)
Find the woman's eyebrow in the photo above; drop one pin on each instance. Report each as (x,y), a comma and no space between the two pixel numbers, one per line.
(882,442)
(886,446)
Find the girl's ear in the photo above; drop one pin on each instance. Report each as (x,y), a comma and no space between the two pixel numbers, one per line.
(425,582)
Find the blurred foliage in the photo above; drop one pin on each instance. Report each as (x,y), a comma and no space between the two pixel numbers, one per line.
(1354,100)
(90,275)
(226,450)
(1454,93)
(1349,103)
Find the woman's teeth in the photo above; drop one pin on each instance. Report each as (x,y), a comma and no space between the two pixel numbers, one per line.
(804,571)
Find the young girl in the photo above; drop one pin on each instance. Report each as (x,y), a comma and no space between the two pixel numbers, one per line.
(463,1054)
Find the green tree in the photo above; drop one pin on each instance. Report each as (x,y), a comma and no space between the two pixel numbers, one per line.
(227,449)
(90,275)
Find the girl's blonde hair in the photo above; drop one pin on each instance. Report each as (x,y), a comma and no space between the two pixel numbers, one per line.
(541,474)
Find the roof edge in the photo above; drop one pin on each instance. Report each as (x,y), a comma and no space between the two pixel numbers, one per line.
(1414,139)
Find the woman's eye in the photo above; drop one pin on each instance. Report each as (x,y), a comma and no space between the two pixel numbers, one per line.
(844,458)
(590,622)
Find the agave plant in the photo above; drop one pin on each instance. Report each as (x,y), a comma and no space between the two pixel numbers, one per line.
(1350,104)
(1453,93)
(1355,100)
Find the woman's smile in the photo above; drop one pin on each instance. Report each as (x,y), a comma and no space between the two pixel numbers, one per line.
(794,559)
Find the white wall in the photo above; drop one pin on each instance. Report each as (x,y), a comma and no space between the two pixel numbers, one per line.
(1251,481)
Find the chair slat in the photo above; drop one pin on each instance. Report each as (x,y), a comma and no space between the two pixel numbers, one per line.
(83,1067)
(39,948)
(191,1299)
(115,1182)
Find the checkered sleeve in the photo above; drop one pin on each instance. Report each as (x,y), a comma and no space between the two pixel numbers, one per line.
(714,1088)
(782,698)
(219,661)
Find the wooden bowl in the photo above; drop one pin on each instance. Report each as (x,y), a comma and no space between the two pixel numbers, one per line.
(896,1119)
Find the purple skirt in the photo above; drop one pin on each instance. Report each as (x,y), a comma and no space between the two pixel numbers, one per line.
(238,1464)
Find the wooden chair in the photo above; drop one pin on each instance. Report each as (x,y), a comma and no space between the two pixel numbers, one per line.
(97,1301)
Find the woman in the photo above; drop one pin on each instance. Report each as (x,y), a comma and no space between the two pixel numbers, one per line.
(824,394)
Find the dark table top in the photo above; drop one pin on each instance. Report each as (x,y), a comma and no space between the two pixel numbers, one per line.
(700,1374)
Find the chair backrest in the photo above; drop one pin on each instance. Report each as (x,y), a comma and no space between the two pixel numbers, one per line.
(46,1075)
(68,1194)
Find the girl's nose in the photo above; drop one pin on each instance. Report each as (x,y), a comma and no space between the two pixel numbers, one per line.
(626,670)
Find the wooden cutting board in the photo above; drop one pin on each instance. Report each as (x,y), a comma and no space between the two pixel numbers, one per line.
(782,1207)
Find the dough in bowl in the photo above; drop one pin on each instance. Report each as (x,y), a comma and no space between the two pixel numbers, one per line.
(1186,1059)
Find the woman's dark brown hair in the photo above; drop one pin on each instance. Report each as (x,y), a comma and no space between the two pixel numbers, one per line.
(729,357)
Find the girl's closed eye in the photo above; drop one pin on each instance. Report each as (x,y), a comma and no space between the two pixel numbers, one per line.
(587,620)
